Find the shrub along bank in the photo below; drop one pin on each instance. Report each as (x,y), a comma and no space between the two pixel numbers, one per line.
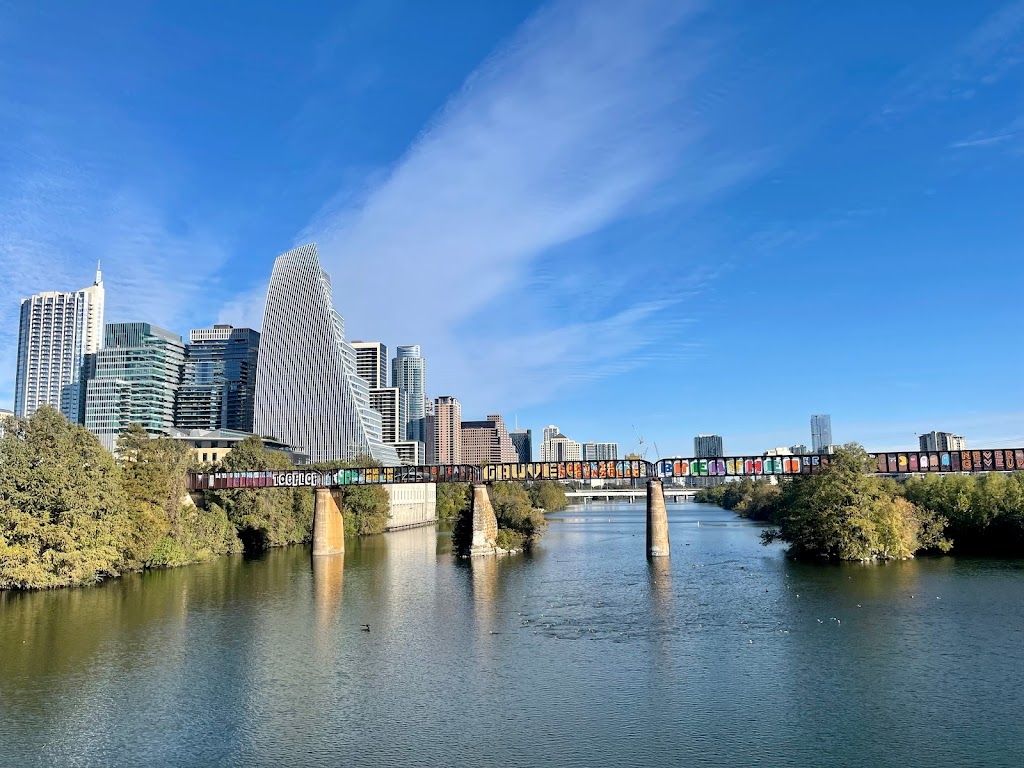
(71,514)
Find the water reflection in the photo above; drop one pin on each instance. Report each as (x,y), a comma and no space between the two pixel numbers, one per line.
(328,580)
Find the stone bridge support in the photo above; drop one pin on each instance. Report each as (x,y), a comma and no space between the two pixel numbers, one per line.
(328,523)
(657,520)
(485,524)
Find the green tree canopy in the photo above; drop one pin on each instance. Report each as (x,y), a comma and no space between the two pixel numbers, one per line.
(843,513)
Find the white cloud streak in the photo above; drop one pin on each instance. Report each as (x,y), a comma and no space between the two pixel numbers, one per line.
(559,134)
(55,224)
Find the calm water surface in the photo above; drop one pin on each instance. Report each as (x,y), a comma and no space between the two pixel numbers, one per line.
(582,654)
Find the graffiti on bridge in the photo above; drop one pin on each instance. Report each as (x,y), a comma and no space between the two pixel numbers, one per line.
(565,470)
(300,478)
(1001,460)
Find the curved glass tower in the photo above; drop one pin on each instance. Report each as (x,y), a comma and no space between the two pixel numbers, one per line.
(307,390)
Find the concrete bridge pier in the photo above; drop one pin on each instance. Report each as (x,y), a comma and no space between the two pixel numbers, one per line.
(485,524)
(328,523)
(657,520)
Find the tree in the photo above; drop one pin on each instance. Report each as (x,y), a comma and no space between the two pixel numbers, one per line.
(548,495)
(264,517)
(62,518)
(452,500)
(166,528)
(843,513)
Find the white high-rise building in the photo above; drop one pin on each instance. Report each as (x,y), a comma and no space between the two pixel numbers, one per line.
(558,447)
(307,392)
(372,362)
(59,336)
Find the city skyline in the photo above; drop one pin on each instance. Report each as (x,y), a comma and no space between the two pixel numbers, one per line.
(188,225)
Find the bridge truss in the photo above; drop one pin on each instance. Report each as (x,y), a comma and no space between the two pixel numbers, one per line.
(900,462)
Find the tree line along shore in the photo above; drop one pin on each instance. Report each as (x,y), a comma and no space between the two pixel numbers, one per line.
(845,513)
(72,514)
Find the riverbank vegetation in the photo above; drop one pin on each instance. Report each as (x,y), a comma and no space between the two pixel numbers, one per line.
(840,513)
(71,514)
(518,507)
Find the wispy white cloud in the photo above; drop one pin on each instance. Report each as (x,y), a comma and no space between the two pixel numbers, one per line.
(982,58)
(983,141)
(58,218)
(568,128)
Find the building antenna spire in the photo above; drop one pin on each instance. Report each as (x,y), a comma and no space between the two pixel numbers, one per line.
(99,275)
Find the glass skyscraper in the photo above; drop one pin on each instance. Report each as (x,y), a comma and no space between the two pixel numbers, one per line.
(58,338)
(138,373)
(708,446)
(407,373)
(307,392)
(219,383)
(821,433)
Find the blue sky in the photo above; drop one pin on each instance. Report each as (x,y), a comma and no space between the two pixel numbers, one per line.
(682,217)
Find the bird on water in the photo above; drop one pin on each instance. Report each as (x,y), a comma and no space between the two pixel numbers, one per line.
(364,627)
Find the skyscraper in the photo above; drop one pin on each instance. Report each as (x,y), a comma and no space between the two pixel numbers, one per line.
(407,373)
(389,402)
(558,447)
(372,363)
(522,439)
(708,446)
(942,441)
(307,392)
(219,384)
(487,442)
(58,338)
(600,451)
(448,413)
(138,373)
(821,433)
(430,420)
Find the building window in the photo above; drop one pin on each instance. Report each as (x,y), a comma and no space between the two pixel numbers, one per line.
(204,457)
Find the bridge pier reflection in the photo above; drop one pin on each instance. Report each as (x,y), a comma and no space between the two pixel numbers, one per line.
(657,520)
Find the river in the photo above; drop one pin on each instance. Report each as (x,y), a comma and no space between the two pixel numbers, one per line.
(581,654)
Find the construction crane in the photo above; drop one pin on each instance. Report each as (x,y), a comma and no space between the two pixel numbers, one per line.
(641,450)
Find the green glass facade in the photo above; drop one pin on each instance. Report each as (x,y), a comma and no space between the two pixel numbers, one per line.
(138,373)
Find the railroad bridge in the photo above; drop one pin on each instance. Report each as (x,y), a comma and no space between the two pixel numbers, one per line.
(328,523)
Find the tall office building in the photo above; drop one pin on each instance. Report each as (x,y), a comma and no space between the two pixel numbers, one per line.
(600,451)
(708,446)
(389,402)
(558,447)
(821,433)
(219,384)
(942,441)
(522,439)
(372,363)
(407,373)
(429,455)
(487,442)
(307,392)
(448,413)
(138,373)
(58,338)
